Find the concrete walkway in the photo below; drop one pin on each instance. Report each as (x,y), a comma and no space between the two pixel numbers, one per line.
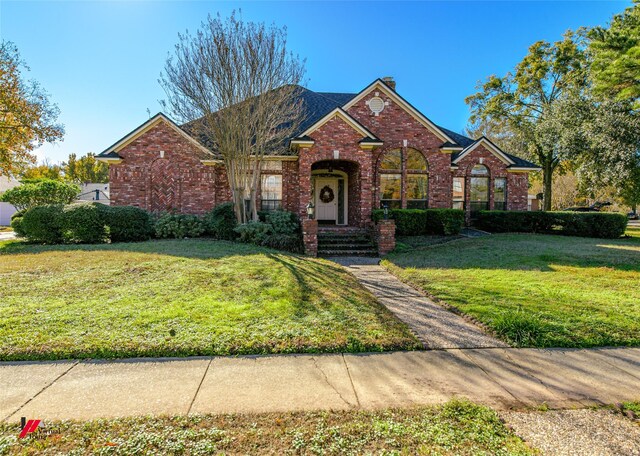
(435,326)
(501,378)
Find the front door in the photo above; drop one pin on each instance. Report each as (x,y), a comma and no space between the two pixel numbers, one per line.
(327,199)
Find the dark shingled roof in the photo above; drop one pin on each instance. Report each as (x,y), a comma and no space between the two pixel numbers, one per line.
(466,142)
(316,105)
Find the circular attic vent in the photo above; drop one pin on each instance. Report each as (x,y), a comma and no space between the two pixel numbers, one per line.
(376,104)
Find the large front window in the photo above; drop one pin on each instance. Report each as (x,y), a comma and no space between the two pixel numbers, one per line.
(271,192)
(404,168)
(390,190)
(479,190)
(500,194)
(458,193)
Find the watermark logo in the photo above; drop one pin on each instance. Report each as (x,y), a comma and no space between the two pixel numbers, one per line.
(28,427)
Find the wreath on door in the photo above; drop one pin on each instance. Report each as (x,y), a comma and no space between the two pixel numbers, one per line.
(326,194)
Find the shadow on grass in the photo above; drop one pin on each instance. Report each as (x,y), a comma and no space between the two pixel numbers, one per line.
(525,252)
(203,248)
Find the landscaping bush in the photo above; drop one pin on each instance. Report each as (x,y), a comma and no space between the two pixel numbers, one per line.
(221,222)
(583,224)
(283,222)
(288,242)
(42,224)
(514,221)
(419,222)
(129,224)
(254,232)
(16,223)
(179,226)
(37,193)
(84,223)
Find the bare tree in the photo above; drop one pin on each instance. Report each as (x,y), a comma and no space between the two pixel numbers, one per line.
(235,84)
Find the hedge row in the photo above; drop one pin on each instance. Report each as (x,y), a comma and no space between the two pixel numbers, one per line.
(95,223)
(416,222)
(583,224)
(82,223)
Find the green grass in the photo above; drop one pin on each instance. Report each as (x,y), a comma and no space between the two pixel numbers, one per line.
(458,427)
(182,298)
(536,290)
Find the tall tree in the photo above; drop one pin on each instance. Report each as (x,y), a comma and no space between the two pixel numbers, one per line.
(236,84)
(45,170)
(615,53)
(629,191)
(85,169)
(28,119)
(529,101)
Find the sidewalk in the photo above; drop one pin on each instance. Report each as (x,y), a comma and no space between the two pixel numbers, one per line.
(501,378)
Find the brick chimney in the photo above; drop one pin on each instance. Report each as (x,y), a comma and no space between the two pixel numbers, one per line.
(388,80)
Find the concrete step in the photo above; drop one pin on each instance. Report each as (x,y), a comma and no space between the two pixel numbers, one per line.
(350,252)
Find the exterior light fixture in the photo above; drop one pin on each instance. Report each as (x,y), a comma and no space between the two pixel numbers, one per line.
(310,210)
(385,209)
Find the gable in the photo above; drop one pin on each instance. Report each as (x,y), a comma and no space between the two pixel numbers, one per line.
(110,154)
(345,117)
(483,141)
(379,86)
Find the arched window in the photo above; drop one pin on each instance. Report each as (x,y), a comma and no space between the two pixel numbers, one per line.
(479,190)
(415,171)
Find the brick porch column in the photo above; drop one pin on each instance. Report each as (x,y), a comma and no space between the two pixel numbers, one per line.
(385,235)
(310,237)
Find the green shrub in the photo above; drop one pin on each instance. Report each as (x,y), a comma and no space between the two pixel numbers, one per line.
(37,193)
(221,222)
(584,224)
(288,242)
(84,223)
(16,223)
(418,222)
(515,221)
(254,232)
(445,221)
(42,224)
(179,226)
(283,222)
(129,224)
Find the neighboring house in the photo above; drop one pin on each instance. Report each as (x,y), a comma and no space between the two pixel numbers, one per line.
(94,192)
(6,209)
(352,154)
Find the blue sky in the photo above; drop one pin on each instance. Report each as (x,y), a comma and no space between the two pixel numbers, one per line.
(100,61)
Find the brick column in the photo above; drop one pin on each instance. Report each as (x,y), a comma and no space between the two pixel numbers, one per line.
(310,237)
(385,234)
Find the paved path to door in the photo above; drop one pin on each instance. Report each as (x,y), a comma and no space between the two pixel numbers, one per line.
(501,378)
(434,325)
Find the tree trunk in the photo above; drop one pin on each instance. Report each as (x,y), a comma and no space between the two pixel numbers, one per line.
(547,178)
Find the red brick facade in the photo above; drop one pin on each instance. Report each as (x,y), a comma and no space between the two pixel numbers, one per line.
(162,170)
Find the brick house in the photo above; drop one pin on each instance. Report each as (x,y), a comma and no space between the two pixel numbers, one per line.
(352,154)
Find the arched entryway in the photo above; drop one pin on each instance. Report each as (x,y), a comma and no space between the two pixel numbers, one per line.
(335,192)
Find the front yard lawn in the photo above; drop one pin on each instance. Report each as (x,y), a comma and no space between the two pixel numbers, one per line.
(536,290)
(458,427)
(182,298)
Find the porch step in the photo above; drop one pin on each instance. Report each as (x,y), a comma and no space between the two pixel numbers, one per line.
(345,242)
